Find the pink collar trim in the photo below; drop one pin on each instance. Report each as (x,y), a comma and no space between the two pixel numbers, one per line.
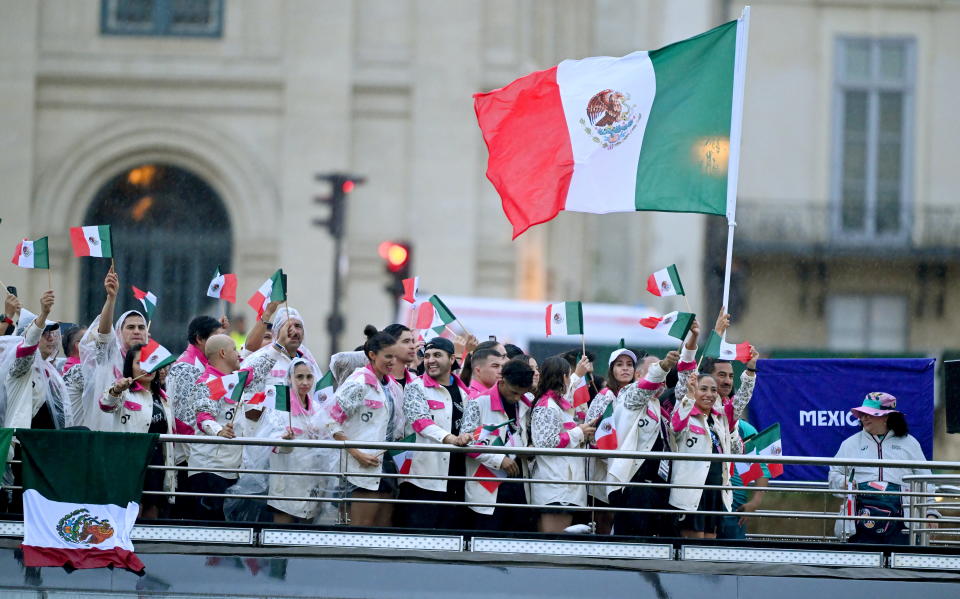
(70,363)
(428,381)
(193,355)
(496,402)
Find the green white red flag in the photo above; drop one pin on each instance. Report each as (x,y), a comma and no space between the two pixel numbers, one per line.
(581,393)
(223,286)
(565,318)
(433,314)
(82,496)
(483,434)
(281,398)
(323,390)
(32,254)
(148,299)
(652,130)
(273,289)
(716,347)
(665,282)
(403,458)
(230,385)
(93,240)
(493,475)
(765,443)
(154,356)
(675,324)
(606,435)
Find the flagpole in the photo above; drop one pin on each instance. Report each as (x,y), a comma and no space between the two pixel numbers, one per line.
(736,126)
(465,329)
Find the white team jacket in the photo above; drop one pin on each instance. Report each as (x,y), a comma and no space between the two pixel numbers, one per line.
(428,409)
(361,411)
(487,409)
(554,425)
(690,435)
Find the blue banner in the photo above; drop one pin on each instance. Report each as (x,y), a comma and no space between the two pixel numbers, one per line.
(811,399)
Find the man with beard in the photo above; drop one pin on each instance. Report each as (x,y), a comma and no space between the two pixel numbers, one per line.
(433,407)
(271,362)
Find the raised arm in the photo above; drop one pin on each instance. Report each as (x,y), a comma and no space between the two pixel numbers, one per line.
(255,336)
(636,396)
(747,382)
(687,363)
(111,284)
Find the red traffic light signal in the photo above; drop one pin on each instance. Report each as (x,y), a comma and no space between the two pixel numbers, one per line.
(396,254)
(348,186)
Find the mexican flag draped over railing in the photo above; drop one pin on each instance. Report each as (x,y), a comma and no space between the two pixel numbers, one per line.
(82,496)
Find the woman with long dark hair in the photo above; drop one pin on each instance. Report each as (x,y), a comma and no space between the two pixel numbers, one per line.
(553,425)
(140,406)
(368,407)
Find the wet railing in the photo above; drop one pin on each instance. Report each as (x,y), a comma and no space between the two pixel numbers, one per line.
(923,496)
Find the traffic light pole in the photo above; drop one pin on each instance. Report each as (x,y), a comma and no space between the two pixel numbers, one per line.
(335,320)
(341,185)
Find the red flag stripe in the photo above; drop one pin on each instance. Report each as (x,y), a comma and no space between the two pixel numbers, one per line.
(531,173)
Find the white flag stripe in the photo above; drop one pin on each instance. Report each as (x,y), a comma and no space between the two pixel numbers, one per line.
(96,246)
(26,254)
(41,517)
(216,286)
(604,180)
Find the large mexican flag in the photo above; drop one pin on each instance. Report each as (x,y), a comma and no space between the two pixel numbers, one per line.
(652,130)
(82,496)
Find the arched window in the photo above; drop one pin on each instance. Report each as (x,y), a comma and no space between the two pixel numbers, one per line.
(170,231)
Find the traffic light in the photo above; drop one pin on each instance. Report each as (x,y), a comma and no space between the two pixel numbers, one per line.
(341,185)
(396,259)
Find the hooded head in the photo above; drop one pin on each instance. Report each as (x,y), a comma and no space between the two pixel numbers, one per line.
(343,364)
(280,319)
(131,329)
(50,339)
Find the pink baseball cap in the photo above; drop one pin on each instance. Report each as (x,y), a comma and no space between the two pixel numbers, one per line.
(876,403)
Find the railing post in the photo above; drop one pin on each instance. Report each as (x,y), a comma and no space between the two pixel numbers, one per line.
(342,515)
(911,525)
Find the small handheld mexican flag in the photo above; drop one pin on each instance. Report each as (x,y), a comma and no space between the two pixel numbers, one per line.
(410,288)
(154,356)
(850,504)
(32,254)
(82,496)
(93,241)
(403,458)
(565,318)
(482,434)
(444,314)
(675,324)
(323,390)
(281,401)
(223,286)
(493,474)
(665,282)
(231,385)
(273,289)
(716,347)
(148,299)
(606,435)
(764,443)
(581,394)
